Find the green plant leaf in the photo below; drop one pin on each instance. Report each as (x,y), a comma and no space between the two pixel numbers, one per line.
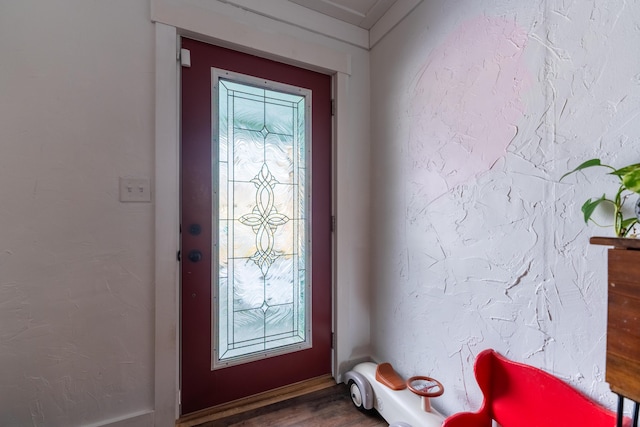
(625,170)
(591,205)
(628,223)
(631,180)
(587,164)
(627,226)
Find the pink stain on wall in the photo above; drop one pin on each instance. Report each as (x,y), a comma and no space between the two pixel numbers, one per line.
(466,104)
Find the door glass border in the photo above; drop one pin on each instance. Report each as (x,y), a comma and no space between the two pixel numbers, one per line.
(218,74)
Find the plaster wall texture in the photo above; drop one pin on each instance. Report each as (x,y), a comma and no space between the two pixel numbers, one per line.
(494,256)
(76,265)
(478,108)
(76,285)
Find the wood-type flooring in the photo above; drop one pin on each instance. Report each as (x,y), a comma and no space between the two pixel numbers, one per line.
(330,407)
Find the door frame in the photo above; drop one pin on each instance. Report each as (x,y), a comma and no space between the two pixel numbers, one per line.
(167,201)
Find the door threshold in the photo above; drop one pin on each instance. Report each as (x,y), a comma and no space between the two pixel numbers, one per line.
(256,401)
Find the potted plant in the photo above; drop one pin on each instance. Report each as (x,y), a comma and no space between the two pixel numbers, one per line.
(629,184)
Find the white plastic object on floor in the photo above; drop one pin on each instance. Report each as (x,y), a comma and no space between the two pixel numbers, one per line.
(400,408)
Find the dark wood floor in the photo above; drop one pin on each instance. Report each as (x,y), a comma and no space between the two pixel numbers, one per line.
(330,407)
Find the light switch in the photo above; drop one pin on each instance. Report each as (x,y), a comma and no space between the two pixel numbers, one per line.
(135,190)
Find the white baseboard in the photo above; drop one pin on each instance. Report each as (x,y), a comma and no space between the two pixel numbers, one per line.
(136,419)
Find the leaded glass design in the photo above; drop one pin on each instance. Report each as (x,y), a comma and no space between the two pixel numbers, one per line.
(260,189)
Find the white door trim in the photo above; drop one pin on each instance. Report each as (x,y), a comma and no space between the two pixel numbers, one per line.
(167,223)
(222,24)
(167,199)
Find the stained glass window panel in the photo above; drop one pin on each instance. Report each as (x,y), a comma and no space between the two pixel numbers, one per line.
(259,281)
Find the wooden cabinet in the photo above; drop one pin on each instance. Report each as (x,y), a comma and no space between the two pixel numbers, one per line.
(623,316)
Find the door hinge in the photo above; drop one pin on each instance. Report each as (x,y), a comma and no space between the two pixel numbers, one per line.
(178,256)
(333,340)
(333,107)
(333,223)
(185,58)
(179,397)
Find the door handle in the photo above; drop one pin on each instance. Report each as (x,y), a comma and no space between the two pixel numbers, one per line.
(195,255)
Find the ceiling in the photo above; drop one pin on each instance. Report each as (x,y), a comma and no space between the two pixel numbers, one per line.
(362,13)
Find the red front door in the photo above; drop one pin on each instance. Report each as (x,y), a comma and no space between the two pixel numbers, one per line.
(290,240)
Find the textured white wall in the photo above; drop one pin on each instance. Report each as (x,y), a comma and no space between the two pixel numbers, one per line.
(76,285)
(478,107)
(76,265)
(492,255)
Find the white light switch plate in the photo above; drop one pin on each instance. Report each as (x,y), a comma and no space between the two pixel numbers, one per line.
(135,190)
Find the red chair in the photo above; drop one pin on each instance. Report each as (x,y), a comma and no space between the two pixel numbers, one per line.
(519,395)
